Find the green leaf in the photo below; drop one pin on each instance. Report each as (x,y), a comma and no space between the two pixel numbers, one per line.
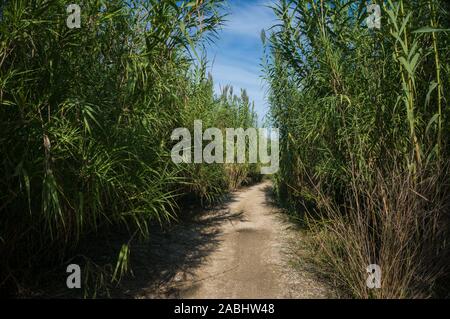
(433,85)
(429,30)
(433,120)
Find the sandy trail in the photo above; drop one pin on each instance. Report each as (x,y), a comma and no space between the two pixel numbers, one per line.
(243,250)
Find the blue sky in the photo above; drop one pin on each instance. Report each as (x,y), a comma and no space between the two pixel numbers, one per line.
(235,57)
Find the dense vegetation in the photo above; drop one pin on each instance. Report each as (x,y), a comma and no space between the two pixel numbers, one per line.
(86,116)
(364,138)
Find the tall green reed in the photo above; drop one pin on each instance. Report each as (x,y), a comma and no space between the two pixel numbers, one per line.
(356,107)
(86,116)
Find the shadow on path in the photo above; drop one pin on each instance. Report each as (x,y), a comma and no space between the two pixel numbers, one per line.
(171,255)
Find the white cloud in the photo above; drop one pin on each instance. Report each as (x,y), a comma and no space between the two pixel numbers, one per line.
(236,56)
(241,78)
(234,74)
(249,18)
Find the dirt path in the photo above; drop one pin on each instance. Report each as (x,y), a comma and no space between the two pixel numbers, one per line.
(243,250)
(251,260)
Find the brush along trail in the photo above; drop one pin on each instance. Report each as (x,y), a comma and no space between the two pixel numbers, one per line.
(242,250)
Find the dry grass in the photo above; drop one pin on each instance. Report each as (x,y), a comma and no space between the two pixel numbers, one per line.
(399,223)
